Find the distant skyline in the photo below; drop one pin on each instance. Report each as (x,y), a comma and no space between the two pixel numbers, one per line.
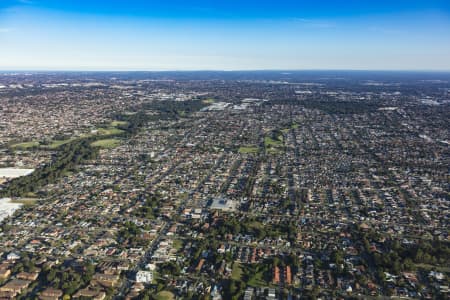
(224,35)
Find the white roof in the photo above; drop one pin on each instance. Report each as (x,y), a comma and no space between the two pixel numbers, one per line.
(13,172)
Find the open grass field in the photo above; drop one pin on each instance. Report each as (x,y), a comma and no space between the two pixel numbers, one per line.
(109,131)
(274,150)
(106,143)
(101,131)
(118,123)
(273,146)
(177,244)
(255,275)
(257,280)
(274,142)
(57,143)
(165,295)
(270,142)
(209,101)
(26,145)
(237,271)
(248,149)
(259,276)
(25,201)
(293,126)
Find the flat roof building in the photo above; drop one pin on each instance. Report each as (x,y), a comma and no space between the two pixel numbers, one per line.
(221,203)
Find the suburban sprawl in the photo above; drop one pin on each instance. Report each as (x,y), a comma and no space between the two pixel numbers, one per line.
(224,185)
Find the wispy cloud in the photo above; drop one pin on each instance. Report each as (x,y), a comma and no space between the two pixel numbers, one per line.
(315,23)
(5,30)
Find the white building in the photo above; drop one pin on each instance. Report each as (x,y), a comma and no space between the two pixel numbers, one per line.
(7,208)
(9,173)
(144,276)
(13,256)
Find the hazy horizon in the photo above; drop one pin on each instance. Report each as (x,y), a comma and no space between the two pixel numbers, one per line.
(234,35)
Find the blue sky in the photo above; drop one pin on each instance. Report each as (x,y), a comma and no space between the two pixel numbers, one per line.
(224,35)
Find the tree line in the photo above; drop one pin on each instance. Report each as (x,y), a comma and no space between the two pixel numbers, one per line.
(70,155)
